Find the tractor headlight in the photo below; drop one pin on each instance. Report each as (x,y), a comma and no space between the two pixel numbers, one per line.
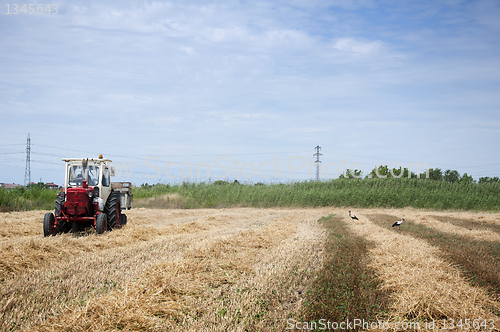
(91,194)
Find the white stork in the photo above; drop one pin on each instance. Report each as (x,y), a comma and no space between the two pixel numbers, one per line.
(398,223)
(352,216)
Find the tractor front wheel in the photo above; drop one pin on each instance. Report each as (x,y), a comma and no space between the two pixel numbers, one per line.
(49,227)
(101,223)
(123,219)
(75,227)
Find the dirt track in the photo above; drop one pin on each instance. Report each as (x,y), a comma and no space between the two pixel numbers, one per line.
(200,269)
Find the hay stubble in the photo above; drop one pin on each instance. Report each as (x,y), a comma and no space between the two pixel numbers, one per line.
(218,270)
(170,268)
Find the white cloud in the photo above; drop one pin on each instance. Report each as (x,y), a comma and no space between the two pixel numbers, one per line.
(358,47)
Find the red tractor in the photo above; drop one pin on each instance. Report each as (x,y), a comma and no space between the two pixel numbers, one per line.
(89,199)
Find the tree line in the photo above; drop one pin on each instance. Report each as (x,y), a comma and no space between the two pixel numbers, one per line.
(435,174)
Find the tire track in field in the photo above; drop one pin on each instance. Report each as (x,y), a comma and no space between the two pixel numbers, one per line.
(346,287)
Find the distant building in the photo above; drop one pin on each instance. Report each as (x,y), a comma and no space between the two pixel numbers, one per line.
(10,185)
(51,185)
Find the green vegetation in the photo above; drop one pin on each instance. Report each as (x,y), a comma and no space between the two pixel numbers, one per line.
(389,192)
(22,198)
(345,288)
(434,174)
(442,191)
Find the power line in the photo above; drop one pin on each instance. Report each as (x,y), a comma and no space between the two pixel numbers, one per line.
(46,162)
(174,155)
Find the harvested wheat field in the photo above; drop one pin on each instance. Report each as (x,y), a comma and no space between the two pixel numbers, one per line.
(249,269)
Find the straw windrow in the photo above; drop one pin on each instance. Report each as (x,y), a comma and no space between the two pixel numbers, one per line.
(240,267)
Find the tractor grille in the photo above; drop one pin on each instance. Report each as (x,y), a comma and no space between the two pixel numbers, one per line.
(77,202)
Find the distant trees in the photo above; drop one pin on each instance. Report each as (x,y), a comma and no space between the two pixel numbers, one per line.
(466,179)
(351,174)
(384,171)
(451,176)
(435,174)
(486,179)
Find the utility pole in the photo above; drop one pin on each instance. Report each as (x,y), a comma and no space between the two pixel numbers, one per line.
(317,161)
(27,169)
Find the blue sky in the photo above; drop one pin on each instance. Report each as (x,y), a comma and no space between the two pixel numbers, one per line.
(253,81)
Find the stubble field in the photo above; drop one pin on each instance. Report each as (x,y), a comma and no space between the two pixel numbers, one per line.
(252,269)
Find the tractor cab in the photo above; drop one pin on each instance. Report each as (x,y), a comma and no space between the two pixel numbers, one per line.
(92,175)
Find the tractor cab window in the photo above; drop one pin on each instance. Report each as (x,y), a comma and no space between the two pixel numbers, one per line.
(105,177)
(93,175)
(76,175)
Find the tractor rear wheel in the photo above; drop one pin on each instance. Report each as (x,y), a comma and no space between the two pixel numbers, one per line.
(101,223)
(62,226)
(59,204)
(112,210)
(49,225)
